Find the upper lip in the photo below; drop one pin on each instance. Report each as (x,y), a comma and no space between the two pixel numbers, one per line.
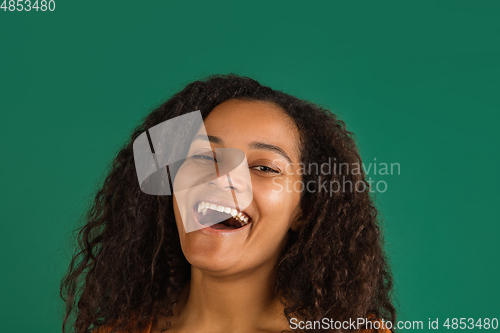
(223,202)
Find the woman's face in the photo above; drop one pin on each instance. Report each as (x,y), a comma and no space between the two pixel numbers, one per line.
(269,140)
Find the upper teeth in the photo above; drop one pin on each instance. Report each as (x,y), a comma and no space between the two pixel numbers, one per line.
(204,206)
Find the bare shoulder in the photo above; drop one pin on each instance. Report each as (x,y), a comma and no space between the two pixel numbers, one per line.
(109,329)
(382,330)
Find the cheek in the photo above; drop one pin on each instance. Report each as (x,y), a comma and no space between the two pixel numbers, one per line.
(276,201)
(283,190)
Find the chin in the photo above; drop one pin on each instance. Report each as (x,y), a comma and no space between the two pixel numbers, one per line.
(208,255)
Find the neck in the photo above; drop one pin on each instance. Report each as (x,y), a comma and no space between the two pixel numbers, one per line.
(231,302)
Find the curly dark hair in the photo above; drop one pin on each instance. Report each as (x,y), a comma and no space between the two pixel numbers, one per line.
(129,258)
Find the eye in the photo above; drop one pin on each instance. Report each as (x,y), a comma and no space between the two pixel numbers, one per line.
(265,169)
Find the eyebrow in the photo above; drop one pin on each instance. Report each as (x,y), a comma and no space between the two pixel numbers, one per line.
(211,138)
(254,145)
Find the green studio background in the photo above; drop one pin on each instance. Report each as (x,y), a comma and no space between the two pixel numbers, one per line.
(416,81)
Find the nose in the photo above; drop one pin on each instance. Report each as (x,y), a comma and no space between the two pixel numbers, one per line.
(232,170)
(233,177)
(234,185)
(230,181)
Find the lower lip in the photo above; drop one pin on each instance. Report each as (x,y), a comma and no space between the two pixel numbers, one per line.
(219,232)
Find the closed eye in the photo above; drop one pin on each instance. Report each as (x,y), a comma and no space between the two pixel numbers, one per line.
(204,157)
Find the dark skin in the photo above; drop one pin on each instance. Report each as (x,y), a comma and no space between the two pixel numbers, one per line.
(233,277)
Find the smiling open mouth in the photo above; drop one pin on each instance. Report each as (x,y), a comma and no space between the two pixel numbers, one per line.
(220,217)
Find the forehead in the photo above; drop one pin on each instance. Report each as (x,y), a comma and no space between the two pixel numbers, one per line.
(239,123)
